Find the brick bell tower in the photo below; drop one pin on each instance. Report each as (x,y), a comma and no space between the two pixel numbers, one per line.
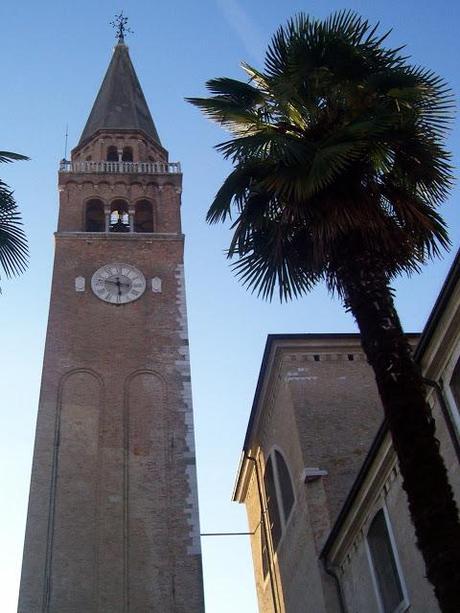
(113,515)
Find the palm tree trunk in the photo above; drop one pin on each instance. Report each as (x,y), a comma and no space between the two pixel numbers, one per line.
(401,388)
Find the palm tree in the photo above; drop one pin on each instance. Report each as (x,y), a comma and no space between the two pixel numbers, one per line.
(339,168)
(13,243)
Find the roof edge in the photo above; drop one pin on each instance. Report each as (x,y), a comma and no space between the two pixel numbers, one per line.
(439,306)
(272,339)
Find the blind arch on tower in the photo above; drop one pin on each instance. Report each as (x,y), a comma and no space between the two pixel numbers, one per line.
(147,490)
(72,551)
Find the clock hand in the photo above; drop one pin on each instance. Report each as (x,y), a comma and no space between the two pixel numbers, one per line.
(120,284)
(117,283)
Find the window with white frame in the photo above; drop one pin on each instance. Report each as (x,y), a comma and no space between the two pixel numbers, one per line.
(450,383)
(279,495)
(385,567)
(455,383)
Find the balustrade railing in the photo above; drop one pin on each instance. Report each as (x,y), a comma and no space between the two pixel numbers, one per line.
(152,168)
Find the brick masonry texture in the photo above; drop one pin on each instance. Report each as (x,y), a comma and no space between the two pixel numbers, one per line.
(113,513)
(319,409)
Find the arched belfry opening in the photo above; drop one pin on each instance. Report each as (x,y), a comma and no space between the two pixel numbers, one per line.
(119,216)
(127,155)
(112,154)
(143,216)
(94,216)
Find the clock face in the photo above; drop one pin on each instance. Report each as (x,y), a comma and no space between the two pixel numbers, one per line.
(118,283)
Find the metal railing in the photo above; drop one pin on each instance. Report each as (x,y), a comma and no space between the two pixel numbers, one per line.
(151,168)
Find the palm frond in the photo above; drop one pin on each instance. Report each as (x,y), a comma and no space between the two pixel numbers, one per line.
(272,259)
(267,143)
(240,93)
(13,243)
(233,190)
(9,156)
(227,113)
(337,146)
(257,77)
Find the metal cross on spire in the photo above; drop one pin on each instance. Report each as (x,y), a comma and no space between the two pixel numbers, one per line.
(119,23)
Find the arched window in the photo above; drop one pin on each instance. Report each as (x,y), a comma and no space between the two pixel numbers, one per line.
(119,218)
(279,495)
(95,219)
(272,503)
(285,485)
(112,154)
(127,155)
(143,217)
(384,563)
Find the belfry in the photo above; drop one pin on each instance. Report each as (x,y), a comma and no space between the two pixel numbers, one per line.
(113,522)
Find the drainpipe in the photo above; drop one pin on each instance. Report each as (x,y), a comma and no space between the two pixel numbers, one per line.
(331,570)
(268,540)
(446,413)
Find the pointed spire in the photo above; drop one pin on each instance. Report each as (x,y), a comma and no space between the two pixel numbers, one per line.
(120,103)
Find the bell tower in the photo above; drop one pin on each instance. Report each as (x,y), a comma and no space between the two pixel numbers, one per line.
(113,514)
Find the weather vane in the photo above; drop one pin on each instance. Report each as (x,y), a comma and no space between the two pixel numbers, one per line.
(119,23)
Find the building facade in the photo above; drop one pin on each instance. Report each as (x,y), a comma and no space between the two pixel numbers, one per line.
(113,512)
(319,476)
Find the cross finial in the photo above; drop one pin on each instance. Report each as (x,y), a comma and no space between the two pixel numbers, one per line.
(119,23)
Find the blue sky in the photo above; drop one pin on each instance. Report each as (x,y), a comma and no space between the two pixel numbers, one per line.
(54,55)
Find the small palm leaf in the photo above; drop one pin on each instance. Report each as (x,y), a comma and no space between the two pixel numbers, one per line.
(9,156)
(13,243)
(236,91)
